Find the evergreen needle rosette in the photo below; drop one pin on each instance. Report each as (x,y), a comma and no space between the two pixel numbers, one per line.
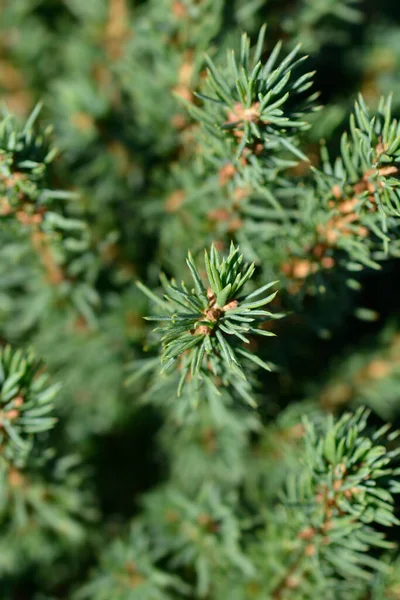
(363,184)
(343,496)
(206,327)
(24,160)
(255,101)
(53,231)
(26,402)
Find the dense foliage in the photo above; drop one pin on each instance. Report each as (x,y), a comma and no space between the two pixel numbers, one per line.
(200,343)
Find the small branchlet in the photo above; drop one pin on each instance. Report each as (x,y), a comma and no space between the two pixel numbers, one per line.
(252,101)
(29,206)
(24,160)
(364,180)
(26,403)
(349,216)
(205,327)
(129,569)
(204,532)
(46,500)
(343,491)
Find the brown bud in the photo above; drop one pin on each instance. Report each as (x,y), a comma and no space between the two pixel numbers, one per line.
(377,369)
(327,262)
(381,148)
(174,201)
(310,550)
(337,485)
(5,208)
(18,401)
(213,314)
(211,296)
(231,305)
(307,533)
(218,214)
(186,70)
(293,582)
(23,217)
(226,173)
(202,330)
(183,92)
(235,224)
(12,414)
(178,121)
(179,9)
(319,250)
(337,192)
(15,478)
(362,231)
(390,170)
(348,206)
(241,193)
(241,113)
(302,268)
(219,245)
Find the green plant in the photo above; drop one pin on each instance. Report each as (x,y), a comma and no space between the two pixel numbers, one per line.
(227,453)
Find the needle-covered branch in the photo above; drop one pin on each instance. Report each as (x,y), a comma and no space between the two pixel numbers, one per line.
(365,175)
(255,101)
(340,503)
(204,328)
(39,216)
(26,402)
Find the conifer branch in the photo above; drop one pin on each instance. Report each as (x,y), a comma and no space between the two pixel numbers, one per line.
(206,326)
(33,211)
(129,569)
(338,502)
(26,402)
(253,101)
